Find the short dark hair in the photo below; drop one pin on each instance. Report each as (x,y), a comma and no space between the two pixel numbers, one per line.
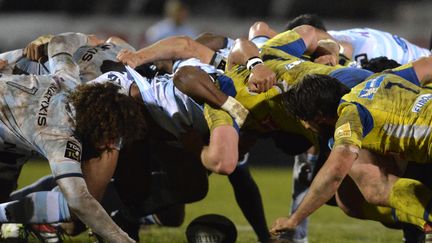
(108,65)
(309,19)
(103,115)
(314,95)
(379,64)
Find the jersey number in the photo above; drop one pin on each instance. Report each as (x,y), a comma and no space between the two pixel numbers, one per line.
(389,85)
(31,91)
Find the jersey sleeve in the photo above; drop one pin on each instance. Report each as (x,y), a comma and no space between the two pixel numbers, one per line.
(63,154)
(289,42)
(218,117)
(407,72)
(60,51)
(349,129)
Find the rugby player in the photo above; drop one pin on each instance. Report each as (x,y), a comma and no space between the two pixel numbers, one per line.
(362,128)
(41,118)
(246,190)
(358,45)
(305,165)
(174,119)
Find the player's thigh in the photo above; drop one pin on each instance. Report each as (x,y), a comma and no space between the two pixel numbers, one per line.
(186,175)
(132,177)
(10,169)
(291,144)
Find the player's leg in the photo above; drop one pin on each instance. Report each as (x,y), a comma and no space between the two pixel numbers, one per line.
(294,144)
(10,168)
(36,208)
(376,178)
(46,183)
(248,198)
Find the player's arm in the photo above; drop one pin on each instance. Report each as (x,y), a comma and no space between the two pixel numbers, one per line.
(423,70)
(197,84)
(83,205)
(221,155)
(311,37)
(212,41)
(261,28)
(172,48)
(323,187)
(306,40)
(64,157)
(246,53)
(60,51)
(418,72)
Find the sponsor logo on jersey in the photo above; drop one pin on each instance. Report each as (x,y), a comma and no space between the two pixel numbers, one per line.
(88,56)
(401,43)
(420,102)
(343,131)
(43,108)
(73,151)
(293,64)
(371,88)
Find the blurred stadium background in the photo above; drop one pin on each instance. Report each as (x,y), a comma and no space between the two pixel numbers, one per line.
(23,20)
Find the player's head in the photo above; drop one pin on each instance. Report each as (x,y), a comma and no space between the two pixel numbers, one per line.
(103,117)
(379,64)
(108,65)
(314,100)
(309,19)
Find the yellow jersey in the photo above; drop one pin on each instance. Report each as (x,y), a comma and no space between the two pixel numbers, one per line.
(388,115)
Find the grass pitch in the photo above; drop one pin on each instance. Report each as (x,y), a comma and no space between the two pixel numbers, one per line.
(329,224)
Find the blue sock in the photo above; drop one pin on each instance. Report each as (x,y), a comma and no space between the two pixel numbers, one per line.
(37,207)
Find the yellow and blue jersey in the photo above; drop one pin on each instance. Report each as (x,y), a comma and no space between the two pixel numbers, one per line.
(388,114)
(267,108)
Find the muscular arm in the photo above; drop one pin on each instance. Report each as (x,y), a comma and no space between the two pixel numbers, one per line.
(323,187)
(311,36)
(261,29)
(179,47)
(212,41)
(221,155)
(423,70)
(261,78)
(87,209)
(60,51)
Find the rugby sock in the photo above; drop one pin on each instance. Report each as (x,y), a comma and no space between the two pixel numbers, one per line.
(248,198)
(389,216)
(38,207)
(236,110)
(411,197)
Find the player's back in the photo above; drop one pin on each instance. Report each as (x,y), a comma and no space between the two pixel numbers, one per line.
(33,110)
(370,43)
(91,60)
(395,115)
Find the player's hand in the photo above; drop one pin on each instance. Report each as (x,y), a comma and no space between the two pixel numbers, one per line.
(328,52)
(329,60)
(129,57)
(36,50)
(282,225)
(3,63)
(93,40)
(261,79)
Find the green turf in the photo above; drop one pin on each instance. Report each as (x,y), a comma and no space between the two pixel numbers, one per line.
(329,224)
